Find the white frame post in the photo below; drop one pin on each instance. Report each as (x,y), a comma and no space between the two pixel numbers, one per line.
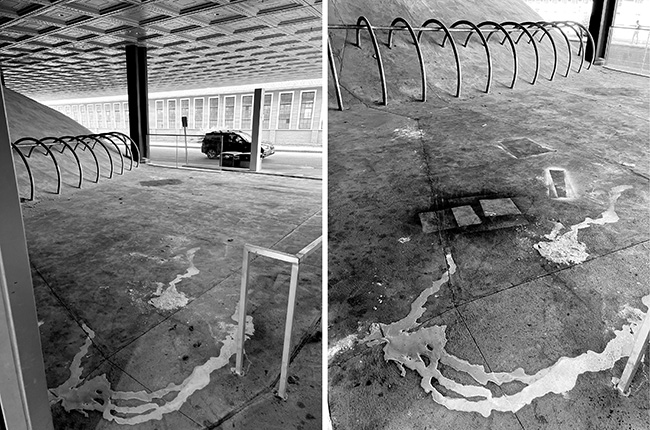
(295,261)
(640,346)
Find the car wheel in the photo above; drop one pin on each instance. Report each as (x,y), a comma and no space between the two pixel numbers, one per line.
(212,154)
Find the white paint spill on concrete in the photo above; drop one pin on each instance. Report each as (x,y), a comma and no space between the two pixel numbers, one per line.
(171,298)
(40,323)
(422,350)
(565,248)
(341,345)
(128,407)
(404,239)
(408,132)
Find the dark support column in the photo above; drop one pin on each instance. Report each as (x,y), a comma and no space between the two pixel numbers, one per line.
(256,162)
(136,77)
(23,388)
(602,17)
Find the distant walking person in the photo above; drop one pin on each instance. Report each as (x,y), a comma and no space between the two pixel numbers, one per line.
(635,36)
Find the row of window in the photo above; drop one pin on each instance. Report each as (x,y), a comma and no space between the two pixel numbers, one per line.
(167,113)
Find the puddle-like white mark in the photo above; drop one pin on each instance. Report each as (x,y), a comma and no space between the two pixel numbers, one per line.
(566,248)
(404,239)
(171,298)
(422,350)
(341,345)
(408,132)
(40,323)
(128,407)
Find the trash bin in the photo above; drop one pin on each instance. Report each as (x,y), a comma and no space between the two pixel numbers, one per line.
(245,160)
(230,159)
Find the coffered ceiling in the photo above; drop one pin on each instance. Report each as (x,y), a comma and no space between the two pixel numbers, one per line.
(71,48)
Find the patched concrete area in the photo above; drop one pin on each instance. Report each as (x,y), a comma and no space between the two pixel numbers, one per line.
(468,327)
(137,280)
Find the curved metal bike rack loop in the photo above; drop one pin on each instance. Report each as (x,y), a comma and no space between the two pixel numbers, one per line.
(128,141)
(92,152)
(416,42)
(335,75)
(581,50)
(589,39)
(459,76)
(29,172)
(90,136)
(380,64)
(543,29)
(483,41)
(512,46)
(47,151)
(65,145)
(117,149)
(83,149)
(531,38)
(110,138)
(566,40)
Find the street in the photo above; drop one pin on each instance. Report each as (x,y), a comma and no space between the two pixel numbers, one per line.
(307,164)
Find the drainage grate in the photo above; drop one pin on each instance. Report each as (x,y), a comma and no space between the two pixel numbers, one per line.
(523,147)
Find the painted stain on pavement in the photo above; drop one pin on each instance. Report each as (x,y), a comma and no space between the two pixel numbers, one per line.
(423,349)
(566,248)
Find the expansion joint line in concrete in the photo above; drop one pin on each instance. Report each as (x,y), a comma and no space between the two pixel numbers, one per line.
(526,281)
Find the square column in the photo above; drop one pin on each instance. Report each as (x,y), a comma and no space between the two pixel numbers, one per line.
(256,162)
(138,93)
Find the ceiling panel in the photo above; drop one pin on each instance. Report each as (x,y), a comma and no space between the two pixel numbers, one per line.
(76,48)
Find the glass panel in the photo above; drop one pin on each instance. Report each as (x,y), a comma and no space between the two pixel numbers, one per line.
(562,10)
(107,115)
(306,110)
(75,112)
(185,109)
(91,116)
(100,116)
(284,113)
(125,107)
(118,115)
(82,115)
(628,48)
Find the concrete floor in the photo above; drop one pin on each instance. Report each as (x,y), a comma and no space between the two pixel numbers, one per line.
(505,306)
(99,256)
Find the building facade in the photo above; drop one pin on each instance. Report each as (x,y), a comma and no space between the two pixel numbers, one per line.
(291,115)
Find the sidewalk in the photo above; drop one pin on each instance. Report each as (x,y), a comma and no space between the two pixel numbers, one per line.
(298,148)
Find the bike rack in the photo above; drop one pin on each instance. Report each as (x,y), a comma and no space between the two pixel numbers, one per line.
(483,41)
(35,143)
(528,28)
(72,143)
(29,172)
(416,42)
(294,260)
(380,64)
(335,75)
(459,73)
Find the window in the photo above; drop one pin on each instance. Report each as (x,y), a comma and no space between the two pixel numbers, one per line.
(229,112)
(306,109)
(266,111)
(198,113)
(82,115)
(246,112)
(125,108)
(117,115)
(75,112)
(185,109)
(100,116)
(108,117)
(66,110)
(91,116)
(213,105)
(284,113)
(171,114)
(160,114)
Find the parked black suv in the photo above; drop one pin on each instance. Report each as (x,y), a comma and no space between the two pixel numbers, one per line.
(233,141)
